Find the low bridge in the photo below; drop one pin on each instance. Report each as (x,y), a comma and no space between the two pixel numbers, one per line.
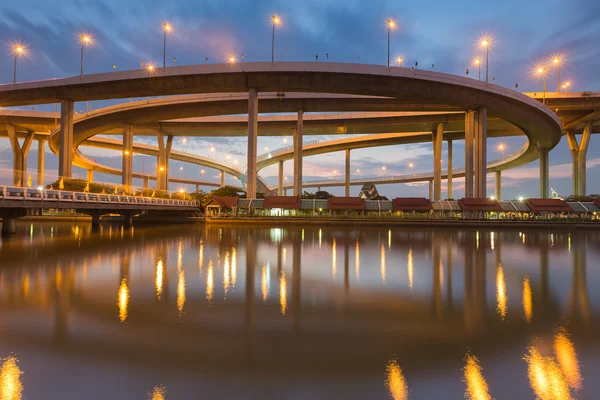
(16,202)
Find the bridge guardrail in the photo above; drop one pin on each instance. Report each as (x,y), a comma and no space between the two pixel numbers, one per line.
(48,195)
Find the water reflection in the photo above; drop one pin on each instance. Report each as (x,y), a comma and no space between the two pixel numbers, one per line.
(395,381)
(382,266)
(11,387)
(501,292)
(527,299)
(283,293)
(410,269)
(158,280)
(158,393)
(123,300)
(210,282)
(180,291)
(567,359)
(477,387)
(333,257)
(545,376)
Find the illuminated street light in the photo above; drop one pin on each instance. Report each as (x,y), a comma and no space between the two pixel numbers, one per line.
(85,40)
(486,42)
(166,28)
(501,148)
(126,152)
(231,59)
(566,85)
(18,50)
(399,61)
(358,171)
(202,172)
(150,67)
(478,63)
(391,24)
(557,61)
(276,20)
(181,168)
(161,169)
(542,71)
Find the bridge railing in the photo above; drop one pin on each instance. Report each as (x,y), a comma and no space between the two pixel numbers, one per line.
(270,154)
(47,195)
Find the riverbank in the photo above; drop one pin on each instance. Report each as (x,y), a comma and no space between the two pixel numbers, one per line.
(402,223)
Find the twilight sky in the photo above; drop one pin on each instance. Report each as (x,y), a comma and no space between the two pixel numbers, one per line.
(443,33)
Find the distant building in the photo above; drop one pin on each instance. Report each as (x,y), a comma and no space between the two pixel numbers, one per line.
(368,191)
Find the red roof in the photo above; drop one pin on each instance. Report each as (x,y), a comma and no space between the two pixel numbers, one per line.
(479,205)
(288,202)
(346,203)
(224,201)
(412,204)
(548,205)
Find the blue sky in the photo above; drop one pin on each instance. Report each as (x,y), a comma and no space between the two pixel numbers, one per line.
(436,32)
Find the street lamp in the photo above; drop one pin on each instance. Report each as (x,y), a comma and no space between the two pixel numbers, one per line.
(556,60)
(150,68)
(399,61)
(501,148)
(542,71)
(566,85)
(231,59)
(391,24)
(85,40)
(166,28)
(485,42)
(411,166)
(17,50)
(276,21)
(478,63)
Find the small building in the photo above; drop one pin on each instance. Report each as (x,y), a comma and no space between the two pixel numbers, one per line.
(280,206)
(549,207)
(412,206)
(250,207)
(346,204)
(222,205)
(480,208)
(368,191)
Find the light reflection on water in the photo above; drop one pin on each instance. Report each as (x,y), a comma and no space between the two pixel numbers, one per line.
(409,297)
(11,387)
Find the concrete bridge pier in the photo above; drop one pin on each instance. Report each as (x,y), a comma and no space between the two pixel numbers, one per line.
(449,169)
(252,142)
(95,222)
(347,182)
(498,186)
(90,175)
(41,162)
(65,154)
(579,156)
(19,155)
(222,178)
(544,174)
(437,136)
(431,189)
(127,175)
(280,180)
(162,168)
(298,137)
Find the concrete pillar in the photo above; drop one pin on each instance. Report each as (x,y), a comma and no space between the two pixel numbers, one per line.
(41,162)
(280,180)
(544,173)
(298,154)
(582,157)
(65,153)
(8,226)
(347,183)
(437,137)
(252,142)
(168,148)
(145,182)
(431,190)
(161,165)
(450,169)
(19,155)
(127,173)
(222,178)
(197,188)
(574,147)
(469,133)
(481,153)
(90,175)
(498,193)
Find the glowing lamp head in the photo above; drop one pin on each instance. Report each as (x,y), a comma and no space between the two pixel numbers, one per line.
(181,191)
(399,60)
(231,59)
(556,60)
(391,23)
(85,39)
(150,67)
(126,152)
(501,147)
(161,169)
(477,61)
(166,27)
(485,42)
(18,49)
(411,165)
(276,19)
(40,188)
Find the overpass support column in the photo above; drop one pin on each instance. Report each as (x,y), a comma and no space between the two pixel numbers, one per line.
(298,154)
(481,153)
(469,133)
(347,183)
(90,175)
(197,188)
(168,148)
(65,153)
(280,180)
(41,162)
(544,173)
(498,193)
(579,155)
(127,175)
(162,170)
(437,137)
(145,182)
(449,169)
(431,190)
(252,142)
(19,155)
(222,178)
(574,147)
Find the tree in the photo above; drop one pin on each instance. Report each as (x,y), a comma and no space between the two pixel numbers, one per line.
(225,191)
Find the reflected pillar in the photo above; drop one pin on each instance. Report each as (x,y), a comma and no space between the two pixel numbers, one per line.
(481,153)
(469,133)
(249,303)
(127,158)
(298,134)
(41,162)
(437,276)
(437,137)
(347,177)
(296,282)
(450,169)
(65,139)
(252,142)
(280,180)
(544,173)
(498,193)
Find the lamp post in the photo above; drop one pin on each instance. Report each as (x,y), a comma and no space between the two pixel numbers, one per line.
(18,50)
(556,61)
(501,148)
(85,40)
(542,71)
(478,63)
(566,85)
(486,43)
(166,28)
(399,61)
(390,25)
(276,21)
